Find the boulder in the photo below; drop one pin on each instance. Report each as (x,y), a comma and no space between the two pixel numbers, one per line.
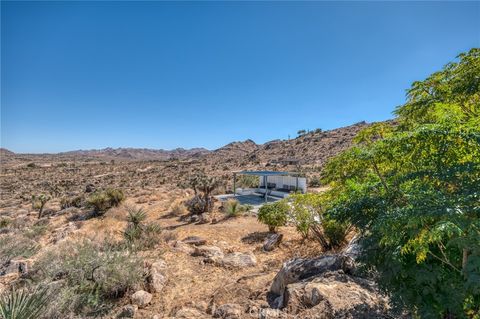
(157,278)
(272,241)
(298,269)
(228,311)
(211,253)
(269,313)
(18,266)
(141,298)
(181,246)
(334,295)
(195,241)
(326,288)
(237,260)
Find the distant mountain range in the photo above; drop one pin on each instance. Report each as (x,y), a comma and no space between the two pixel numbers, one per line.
(313,147)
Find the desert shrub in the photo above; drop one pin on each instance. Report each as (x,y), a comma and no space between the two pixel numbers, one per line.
(31,165)
(35,231)
(314,182)
(75,201)
(248,181)
(248,207)
(178,208)
(5,222)
(232,208)
(21,304)
(138,234)
(115,195)
(16,245)
(274,215)
(101,201)
(94,273)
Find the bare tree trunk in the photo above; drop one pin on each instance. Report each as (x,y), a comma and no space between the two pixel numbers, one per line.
(40,211)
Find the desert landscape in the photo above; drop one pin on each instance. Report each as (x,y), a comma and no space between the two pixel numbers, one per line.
(213,264)
(240,159)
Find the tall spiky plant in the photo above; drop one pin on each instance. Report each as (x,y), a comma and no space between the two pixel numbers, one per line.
(20,304)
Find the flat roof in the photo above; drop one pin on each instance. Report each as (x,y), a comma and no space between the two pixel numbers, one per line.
(266,173)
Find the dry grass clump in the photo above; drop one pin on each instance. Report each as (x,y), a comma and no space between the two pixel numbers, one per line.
(88,275)
(16,244)
(178,208)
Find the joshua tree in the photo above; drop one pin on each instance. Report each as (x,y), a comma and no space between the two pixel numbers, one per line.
(38,202)
(205,185)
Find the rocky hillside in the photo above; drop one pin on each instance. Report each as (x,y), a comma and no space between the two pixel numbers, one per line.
(310,150)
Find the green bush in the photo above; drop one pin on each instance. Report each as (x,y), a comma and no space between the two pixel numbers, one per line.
(335,232)
(101,201)
(304,209)
(93,274)
(274,215)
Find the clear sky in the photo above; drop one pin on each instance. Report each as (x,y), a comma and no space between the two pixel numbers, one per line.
(181,74)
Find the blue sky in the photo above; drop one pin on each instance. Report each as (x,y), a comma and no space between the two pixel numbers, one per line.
(180,74)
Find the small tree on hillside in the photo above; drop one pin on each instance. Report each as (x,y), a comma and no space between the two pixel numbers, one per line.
(38,202)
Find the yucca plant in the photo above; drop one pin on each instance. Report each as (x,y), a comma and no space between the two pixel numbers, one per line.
(233,208)
(20,304)
(136,216)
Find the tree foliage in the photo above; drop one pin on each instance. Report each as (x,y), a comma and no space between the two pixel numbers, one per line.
(412,189)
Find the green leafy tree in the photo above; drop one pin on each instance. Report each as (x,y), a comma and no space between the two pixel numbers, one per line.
(412,190)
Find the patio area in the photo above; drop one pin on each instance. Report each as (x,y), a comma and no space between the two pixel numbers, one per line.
(271,186)
(255,200)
